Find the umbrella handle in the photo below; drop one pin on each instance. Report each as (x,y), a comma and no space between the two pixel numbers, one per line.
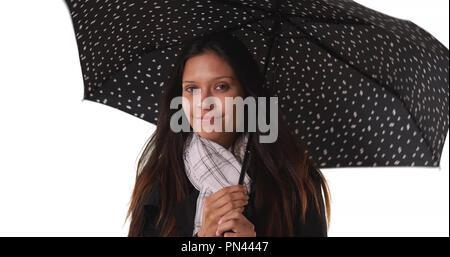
(244,167)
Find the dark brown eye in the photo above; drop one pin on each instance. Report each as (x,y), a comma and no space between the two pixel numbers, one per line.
(189,89)
(222,86)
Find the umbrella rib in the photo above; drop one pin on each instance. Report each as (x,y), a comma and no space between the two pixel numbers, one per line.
(328,21)
(263,31)
(165,46)
(310,19)
(225,30)
(269,11)
(236,4)
(388,31)
(337,56)
(272,38)
(248,8)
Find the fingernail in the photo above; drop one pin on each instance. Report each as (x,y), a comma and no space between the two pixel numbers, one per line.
(217,232)
(245,189)
(220,221)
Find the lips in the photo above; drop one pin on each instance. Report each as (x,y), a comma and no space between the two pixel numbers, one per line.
(208,120)
(203,118)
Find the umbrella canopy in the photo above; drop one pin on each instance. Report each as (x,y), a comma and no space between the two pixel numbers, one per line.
(359,88)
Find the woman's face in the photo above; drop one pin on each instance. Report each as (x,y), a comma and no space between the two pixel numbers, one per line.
(204,76)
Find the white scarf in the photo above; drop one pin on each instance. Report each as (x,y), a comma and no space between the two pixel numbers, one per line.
(211,167)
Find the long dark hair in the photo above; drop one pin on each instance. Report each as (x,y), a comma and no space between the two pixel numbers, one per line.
(283,166)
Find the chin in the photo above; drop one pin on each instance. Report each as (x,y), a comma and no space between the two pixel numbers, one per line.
(210,127)
(210,135)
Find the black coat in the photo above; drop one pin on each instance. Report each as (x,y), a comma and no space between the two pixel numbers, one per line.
(184,212)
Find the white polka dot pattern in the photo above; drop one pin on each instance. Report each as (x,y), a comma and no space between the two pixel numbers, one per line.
(359,88)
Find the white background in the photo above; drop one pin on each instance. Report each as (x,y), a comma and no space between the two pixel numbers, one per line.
(67,167)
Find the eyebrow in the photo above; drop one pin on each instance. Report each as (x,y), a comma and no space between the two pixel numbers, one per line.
(220,77)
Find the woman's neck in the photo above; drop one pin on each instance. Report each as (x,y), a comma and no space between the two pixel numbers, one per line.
(226,139)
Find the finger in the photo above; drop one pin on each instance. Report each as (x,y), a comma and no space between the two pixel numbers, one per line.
(238,223)
(232,224)
(242,221)
(240,197)
(231,234)
(236,188)
(229,207)
(229,216)
(230,197)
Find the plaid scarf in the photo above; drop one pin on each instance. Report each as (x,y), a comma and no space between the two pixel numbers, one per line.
(211,167)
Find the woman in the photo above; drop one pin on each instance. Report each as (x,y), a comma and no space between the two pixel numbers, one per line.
(284,186)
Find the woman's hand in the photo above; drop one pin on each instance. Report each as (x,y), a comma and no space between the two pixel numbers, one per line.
(237,222)
(226,200)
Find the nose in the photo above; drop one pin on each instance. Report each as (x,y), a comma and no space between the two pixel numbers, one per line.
(202,105)
(199,99)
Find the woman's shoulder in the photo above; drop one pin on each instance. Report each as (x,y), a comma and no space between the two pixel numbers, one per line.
(154,195)
(183,211)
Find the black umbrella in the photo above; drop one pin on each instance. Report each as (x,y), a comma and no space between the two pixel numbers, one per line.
(360,88)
